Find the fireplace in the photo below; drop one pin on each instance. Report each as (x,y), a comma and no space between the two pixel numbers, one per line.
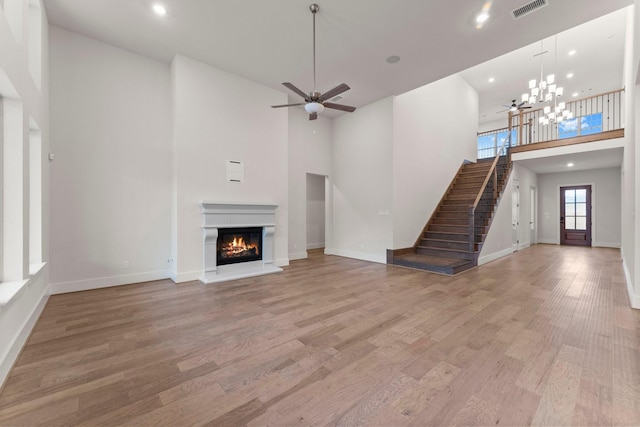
(238,240)
(236,245)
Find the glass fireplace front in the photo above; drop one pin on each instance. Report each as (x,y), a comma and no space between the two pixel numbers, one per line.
(239,245)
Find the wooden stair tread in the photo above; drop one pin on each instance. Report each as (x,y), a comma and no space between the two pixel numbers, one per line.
(434,260)
(445,250)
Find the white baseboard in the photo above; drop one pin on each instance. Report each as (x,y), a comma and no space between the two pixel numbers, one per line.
(189,276)
(315,245)
(21,338)
(298,255)
(606,245)
(381,259)
(494,256)
(282,262)
(549,241)
(524,245)
(105,282)
(634,299)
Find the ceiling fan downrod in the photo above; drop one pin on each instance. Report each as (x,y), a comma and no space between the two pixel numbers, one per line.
(314,8)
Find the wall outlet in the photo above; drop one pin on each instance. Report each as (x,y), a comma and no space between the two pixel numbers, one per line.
(125,264)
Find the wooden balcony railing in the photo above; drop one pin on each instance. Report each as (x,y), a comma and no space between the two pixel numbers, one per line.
(592,115)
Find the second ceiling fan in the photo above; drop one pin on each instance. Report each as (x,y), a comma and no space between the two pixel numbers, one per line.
(315,102)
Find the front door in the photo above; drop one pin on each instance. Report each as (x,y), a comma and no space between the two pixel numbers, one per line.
(575,215)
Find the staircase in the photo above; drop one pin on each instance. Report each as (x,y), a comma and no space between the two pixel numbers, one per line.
(447,244)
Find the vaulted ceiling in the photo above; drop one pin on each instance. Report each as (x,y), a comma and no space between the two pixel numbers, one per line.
(271,41)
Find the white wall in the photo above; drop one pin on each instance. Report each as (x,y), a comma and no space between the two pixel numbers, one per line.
(315,211)
(498,123)
(363,183)
(111,177)
(605,200)
(499,241)
(309,152)
(434,130)
(218,117)
(22,301)
(630,181)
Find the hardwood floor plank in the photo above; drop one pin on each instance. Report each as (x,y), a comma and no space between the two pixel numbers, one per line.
(544,336)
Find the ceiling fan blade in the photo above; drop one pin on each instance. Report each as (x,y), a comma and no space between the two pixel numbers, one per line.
(296,90)
(339,107)
(313,116)
(333,92)
(287,105)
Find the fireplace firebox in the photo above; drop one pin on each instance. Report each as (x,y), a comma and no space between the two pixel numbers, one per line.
(237,245)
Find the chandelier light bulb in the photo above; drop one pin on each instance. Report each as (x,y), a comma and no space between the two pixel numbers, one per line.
(532,84)
(551,78)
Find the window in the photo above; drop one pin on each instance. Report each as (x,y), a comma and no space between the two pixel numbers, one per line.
(489,143)
(585,125)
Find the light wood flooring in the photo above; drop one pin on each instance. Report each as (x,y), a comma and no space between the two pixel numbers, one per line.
(543,337)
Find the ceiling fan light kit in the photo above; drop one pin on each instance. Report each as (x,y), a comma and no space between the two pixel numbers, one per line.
(315,102)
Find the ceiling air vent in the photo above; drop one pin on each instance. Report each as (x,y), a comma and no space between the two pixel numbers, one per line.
(529,8)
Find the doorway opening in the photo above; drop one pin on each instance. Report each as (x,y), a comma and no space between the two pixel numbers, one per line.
(316,208)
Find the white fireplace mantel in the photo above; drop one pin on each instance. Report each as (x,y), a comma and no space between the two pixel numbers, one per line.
(217,215)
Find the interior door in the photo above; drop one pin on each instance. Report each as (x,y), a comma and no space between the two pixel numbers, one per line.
(515,214)
(575,215)
(532,215)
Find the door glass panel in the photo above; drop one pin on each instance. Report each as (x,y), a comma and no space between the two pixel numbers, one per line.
(581,209)
(569,196)
(569,209)
(581,223)
(570,223)
(581,196)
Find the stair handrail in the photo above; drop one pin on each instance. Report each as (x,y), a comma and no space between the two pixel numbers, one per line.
(472,208)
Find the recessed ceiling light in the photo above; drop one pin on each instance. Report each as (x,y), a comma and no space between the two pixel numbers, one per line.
(491,80)
(482,17)
(393,59)
(572,52)
(570,75)
(575,94)
(159,9)
(569,165)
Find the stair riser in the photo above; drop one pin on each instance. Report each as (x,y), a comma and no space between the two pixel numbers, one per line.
(451,221)
(439,244)
(449,254)
(446,236)
(452,215)
(453,208)
(448,228)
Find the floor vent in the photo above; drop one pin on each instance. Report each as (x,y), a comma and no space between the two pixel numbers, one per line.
(529,8)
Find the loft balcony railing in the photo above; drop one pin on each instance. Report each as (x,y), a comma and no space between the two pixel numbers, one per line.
(593,115)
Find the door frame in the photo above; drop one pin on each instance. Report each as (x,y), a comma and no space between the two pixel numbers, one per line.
(593,210)
(516,198)
(533,215)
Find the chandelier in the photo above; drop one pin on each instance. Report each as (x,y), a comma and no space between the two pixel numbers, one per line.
(547,91)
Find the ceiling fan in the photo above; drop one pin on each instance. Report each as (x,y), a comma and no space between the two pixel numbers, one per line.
(315,102)
(514,107)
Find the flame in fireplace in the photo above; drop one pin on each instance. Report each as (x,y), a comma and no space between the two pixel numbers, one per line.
(238,247)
